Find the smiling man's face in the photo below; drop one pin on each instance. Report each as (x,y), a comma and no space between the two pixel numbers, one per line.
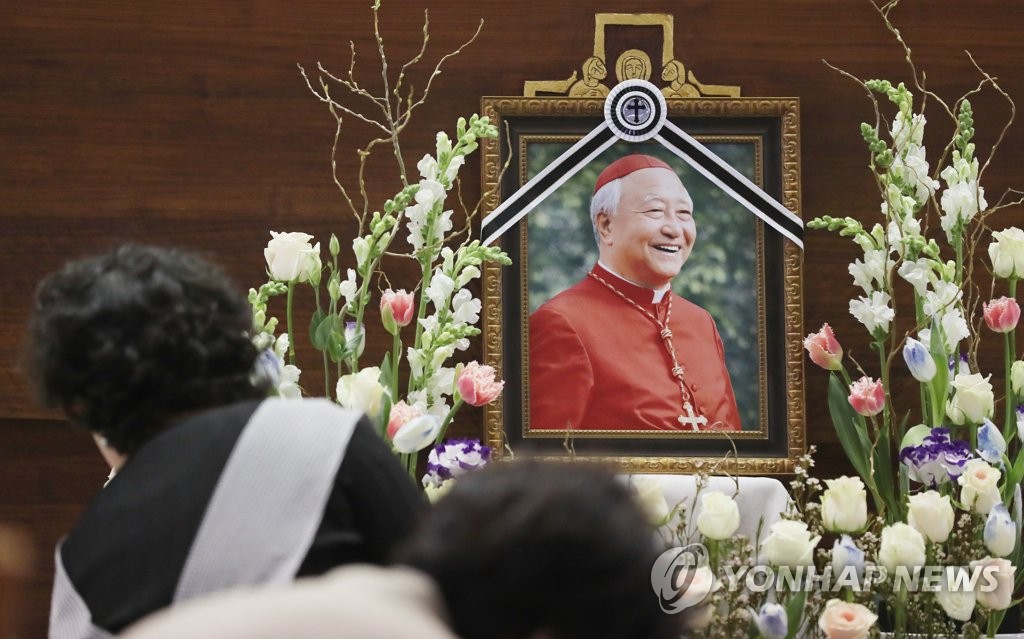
(650,236)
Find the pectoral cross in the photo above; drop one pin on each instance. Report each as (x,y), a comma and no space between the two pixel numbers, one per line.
(691,419)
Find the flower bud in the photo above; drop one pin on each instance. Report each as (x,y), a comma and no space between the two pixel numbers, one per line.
(824,349)
(867,396)
(1000,532)
(334,246)
(1017,378)
(772,622)
(991,444)
(1001,315)
(918,360)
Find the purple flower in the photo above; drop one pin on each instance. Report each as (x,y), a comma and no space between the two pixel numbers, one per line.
(454,458)
(937,459)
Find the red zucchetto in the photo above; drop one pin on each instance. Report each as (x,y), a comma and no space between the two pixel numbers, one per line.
(626,165)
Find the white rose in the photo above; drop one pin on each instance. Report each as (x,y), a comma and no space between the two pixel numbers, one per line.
(980,486)
(902,545)
(959,603)
(361,391)
(995,593)
(931,514)
(702,584)
(844,505)
(789,543)
(1007,252)
(291,258)
(719,516)
(651,498)
(972,401)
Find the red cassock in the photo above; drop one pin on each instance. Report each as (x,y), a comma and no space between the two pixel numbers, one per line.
(597,362)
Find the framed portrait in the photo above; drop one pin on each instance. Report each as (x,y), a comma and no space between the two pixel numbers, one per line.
(740,270)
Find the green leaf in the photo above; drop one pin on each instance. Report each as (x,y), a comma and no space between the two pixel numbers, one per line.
(940,383)
(795,612)
(850,427)
(314,325)
(336,347)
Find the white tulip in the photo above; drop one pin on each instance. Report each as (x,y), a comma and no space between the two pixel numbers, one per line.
(1000,531)
(931,514)
(844,505)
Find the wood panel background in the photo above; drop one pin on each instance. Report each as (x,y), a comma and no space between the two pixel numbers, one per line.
(187,123)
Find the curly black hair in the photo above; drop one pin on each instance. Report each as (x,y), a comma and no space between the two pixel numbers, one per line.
(125,341)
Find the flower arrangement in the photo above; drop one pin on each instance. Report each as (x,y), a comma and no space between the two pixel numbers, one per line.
(415,390)
(947,491)
(937,551)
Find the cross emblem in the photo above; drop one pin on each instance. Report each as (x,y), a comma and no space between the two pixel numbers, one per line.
(636,111)
(691,420)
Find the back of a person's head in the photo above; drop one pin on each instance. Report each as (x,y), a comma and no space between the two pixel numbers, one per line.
(531,549)
(126,340)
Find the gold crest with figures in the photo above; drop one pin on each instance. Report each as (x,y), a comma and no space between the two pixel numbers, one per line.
(617,57)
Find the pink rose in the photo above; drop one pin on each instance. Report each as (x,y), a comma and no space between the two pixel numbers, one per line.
(995,586)
(396,309)
(400,414)
(867,396)
(842,620)
(1002,314)
(824,349)
(477,384)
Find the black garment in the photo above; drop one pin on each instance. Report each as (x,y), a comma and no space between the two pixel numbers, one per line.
(126,553)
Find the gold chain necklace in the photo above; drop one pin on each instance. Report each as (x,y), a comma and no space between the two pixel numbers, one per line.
(690,418)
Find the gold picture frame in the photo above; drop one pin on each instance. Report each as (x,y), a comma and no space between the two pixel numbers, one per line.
(764,133)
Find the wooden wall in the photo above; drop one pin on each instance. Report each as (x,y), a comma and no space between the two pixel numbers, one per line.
(187,123)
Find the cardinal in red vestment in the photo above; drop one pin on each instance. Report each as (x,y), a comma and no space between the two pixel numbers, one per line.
(619,350)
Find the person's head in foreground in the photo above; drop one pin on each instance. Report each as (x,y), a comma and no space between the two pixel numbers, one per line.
(643,220)
(125,341)
(531,550)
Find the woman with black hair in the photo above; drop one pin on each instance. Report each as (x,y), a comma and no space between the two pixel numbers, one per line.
(216,485)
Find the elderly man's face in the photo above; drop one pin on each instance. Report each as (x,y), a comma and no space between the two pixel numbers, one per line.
(650,236)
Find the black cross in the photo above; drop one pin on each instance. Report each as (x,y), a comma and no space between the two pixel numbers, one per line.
(636,105)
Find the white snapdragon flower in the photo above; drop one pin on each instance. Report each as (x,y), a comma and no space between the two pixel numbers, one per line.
(960,203)
(361,248)
(440,290)
(919,273)
(908,130)
(873,312)
(869,274)
(427,167)
(913,169)
(465,308)
(954,328)
(453,168)
(941,297)
(444,145)
(430,191)
(467,275)
(349,287)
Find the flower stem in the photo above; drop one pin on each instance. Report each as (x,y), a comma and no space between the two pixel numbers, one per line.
(291,333)
(448,418)
(1010,355)
(396,353)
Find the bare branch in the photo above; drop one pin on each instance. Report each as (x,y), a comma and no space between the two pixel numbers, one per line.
(437,72)
(1009,122)
(415,59)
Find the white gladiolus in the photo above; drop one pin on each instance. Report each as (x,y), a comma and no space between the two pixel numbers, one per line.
(873,312)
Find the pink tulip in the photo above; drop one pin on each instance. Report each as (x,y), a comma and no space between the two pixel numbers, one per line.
(824,349)
(477,384)
(867,396)
(1002,314)
(399,415)
(396,309)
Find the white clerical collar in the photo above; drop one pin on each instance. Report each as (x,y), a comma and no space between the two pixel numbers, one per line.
(657,294)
